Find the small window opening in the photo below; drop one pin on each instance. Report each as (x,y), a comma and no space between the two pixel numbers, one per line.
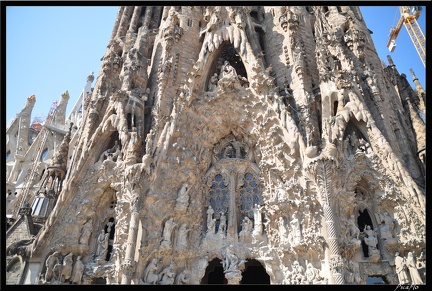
(335,106)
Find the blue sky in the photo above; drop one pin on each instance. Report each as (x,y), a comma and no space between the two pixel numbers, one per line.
(51,49)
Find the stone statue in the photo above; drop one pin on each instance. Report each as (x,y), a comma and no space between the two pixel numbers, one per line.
(211,222)
(210,212)
(167,276)
(102,246)
(182,236)
(222,223)
(111,153)
(245,234)
(86,233)
(295,229)
(282,230)
(50,263)
(354,231)
(182,278)
(77,272)
(150,276)
(182,200)
(57,270)
(228,71)
(213,82)
(412,268)
(66,272)
(257,231)
(401,269)
(387,226)
(169,226)
(312,274)
(370,240)
(385,231)
(231,261)
(297,275)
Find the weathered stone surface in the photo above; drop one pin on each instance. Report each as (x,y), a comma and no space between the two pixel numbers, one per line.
(248,144)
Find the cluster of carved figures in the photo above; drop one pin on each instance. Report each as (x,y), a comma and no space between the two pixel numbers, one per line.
(289,233)
(63,271)
(277,224)
(165,277)
(408,265)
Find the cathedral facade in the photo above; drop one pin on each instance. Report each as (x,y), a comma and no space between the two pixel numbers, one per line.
(225,145)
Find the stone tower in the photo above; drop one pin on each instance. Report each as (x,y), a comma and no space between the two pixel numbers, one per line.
(239,145)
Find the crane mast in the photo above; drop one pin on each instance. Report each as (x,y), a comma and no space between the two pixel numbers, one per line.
(408,17)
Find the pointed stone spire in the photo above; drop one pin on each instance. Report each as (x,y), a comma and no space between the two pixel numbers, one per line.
(28,107)
(390,60)
(60,110)
(61,155)
(420,90)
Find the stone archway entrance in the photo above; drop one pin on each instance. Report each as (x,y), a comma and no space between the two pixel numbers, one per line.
(254,273)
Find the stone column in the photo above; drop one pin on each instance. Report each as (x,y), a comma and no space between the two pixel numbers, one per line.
(233,277)
(124,22)
(320,171)
(135,18)
(232,235)
(129,263)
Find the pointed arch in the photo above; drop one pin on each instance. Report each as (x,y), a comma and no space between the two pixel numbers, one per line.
(232,187)
(215,61)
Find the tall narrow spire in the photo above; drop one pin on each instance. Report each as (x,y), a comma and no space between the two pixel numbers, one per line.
(420,90)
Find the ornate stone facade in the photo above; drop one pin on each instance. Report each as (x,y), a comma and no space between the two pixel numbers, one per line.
(237,145)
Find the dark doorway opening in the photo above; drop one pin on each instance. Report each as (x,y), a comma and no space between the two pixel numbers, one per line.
(214,273)
(254,273)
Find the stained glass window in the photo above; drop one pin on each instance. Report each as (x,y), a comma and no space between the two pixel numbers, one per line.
(218,194)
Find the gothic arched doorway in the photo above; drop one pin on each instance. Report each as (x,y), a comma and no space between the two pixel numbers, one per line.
(214,273)
(254,273)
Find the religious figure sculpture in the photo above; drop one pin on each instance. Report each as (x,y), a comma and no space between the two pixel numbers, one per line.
(312,274)
(182,236)
(66,272)
(167,276)
(182,278)
(412,268)
(245,234)
(169,227)
(401,269)
(222,224)
(77,272)
(50,263)
(102,247)
(150,276)
(86,232)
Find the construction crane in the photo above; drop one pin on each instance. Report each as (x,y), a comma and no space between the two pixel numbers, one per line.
(408,17)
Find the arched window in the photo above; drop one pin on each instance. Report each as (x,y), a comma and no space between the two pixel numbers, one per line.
(233,186)
(218,194)
(250,193)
